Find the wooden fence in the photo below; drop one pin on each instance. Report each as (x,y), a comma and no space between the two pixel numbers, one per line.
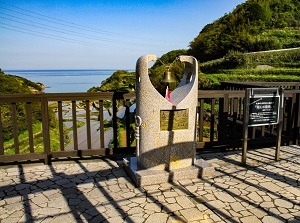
(219,123)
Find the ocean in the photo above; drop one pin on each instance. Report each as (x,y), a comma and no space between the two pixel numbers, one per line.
(63,81)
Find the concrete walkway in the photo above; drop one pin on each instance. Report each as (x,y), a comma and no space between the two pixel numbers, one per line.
(100,191)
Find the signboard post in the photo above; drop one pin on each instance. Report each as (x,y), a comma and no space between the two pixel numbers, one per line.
(263,106)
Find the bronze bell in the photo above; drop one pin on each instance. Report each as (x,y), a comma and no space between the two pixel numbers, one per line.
(168,77)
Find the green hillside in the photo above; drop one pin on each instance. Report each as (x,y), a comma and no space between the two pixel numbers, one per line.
(255,25)
(271,66)
(120,80)
(10,84)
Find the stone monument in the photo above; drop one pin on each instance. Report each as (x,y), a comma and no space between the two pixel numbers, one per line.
(166,130)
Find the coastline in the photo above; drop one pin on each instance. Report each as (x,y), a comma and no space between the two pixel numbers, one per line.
(65,81)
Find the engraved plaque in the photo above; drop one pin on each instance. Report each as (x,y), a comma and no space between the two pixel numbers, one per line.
(174,119)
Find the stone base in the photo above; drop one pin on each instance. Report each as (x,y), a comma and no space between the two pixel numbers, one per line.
(143,177)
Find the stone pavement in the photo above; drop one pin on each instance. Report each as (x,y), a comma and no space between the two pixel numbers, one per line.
(100,191)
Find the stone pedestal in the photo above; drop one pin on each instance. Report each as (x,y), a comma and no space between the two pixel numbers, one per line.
(166,130)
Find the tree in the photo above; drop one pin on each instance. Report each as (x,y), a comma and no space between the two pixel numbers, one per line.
(243,29)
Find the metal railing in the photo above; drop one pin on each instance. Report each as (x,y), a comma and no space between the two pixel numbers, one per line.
(219,123)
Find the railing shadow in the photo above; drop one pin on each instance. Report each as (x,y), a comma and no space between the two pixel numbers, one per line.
(82,211)
(70,188)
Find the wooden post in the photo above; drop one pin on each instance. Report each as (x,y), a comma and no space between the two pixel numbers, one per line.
(29,126)
(201,118)
(296,120)
(15,127)
(46,134)
(88,124)
(127,117)
(101,120)
(61,126)
(279,125)
(245,125)
(115,122)
(212,120)
(1,135)
(74,121)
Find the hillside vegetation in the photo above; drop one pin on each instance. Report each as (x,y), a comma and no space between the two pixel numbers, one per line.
(255,25)
(279,66)
(10,84)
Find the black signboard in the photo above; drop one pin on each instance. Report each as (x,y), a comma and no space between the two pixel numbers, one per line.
(263,110)
(263,106)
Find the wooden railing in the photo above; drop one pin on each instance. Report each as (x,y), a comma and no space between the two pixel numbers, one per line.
(243,85)
(219,123)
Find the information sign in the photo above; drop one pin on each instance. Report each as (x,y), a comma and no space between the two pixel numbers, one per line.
(263,110)
(262,106)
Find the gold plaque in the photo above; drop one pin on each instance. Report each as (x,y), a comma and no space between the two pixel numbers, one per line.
(174,119)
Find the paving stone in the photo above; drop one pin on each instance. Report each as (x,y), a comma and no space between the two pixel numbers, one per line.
(237,207)
(172,208)
(139,200)
(74,201)
(224,197)
(176,219)
(49,211)
(272,219)
(10,220)
(216,204)
(135,210)
(250,219)
(157,218)
(270,186)
(114,188)
(255,197)
(268,204)
(153,206)
(135,219)
(104,193)
(45,184)
(184,202)
(258,212)
(283,203)
(58,203)
(170,194)
(192,214)
(14,207)
(12,200)
(215,218)
(39,199)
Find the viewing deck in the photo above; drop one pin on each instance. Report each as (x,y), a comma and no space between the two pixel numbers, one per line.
(99,190)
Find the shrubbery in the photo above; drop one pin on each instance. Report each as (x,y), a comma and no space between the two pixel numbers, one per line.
(252,26)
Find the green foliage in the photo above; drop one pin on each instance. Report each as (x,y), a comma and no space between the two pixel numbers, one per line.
(255,25)
(169,57)
(120,80)
(276,59)
(10,84)
(125,81)
(212,81)
(290,58)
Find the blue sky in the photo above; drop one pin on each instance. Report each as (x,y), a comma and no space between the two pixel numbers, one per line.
(99,34)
